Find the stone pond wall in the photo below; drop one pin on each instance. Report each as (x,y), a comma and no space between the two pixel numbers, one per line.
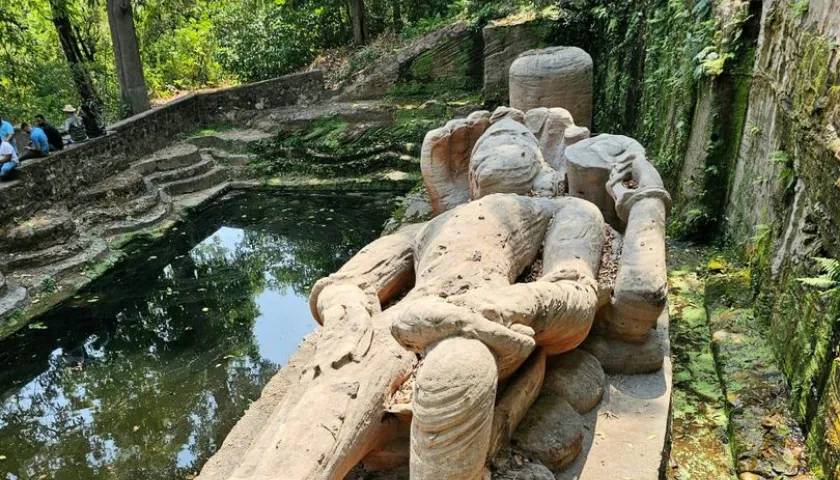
(64,174)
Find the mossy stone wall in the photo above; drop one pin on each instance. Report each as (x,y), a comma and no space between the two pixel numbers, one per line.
(738,104)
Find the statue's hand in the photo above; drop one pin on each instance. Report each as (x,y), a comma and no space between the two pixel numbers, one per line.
(507,310)
(347,333)
(424,322)
(445,159)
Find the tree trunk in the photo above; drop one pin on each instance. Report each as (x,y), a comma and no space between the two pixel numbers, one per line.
(397,15)
(91,103)
(357,19)
(135,96)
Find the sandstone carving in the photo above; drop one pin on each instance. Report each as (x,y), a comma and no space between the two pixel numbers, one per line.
(449,340)
(553,77)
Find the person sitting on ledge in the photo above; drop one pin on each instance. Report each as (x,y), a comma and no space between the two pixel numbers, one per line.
(7,131)
(8,159)
(38,145)
(54,138)
(73,125)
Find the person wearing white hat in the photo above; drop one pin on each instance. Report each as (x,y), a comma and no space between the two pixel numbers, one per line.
(73,125)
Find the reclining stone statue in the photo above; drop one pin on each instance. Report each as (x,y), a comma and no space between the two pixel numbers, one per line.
(439,332)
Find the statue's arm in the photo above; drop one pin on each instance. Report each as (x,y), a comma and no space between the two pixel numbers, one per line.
(560,305)
(372,278)
(641,286)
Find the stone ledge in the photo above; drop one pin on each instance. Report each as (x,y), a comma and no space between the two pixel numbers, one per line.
(628,433)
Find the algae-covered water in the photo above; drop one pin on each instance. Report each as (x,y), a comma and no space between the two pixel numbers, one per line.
(143,374)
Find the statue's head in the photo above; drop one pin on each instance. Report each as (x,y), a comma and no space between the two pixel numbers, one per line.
(508,151)
(507,159)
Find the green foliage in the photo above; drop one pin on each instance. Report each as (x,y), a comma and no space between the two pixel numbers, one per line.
(34,76)
(787,171)
(800,8)
(178,45)
(828,280)
(189,44)
(260,39)
(48,285)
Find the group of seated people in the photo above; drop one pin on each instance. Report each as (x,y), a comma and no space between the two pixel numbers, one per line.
(43,139)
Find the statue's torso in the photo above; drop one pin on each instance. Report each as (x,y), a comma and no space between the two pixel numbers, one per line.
(486,242)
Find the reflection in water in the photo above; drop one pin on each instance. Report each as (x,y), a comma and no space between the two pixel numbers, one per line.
(143,374)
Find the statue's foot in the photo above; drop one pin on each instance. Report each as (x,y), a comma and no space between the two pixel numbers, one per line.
(552,432)
(577,377)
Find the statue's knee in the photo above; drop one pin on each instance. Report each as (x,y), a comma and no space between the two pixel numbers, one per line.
(454,394)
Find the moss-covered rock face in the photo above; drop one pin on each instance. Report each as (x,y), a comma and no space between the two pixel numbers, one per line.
(740,109)
(335,147)
(676,76)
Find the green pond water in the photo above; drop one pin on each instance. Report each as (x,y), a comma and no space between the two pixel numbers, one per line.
(143,374)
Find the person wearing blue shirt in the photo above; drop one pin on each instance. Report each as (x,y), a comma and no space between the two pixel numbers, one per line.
(7,131)
(38,144)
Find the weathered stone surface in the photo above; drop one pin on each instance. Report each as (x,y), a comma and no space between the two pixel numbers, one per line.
(507,158)
(635,196)
(113,189)
(46,229)
(450,54)
(453,411)
(590,163)
(551,432)
(617,356)
(553,77)
(464,316)
(515,400)
(556,130)
(527,471)
(445,158)
(503,42)
(628,432)
(173,157)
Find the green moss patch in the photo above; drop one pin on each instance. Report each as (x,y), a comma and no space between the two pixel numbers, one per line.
(699,422)
(332,147)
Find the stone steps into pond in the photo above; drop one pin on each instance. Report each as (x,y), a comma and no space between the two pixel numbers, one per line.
(197,183)
(181,169)
(227,158)
(44,229)
(45,256)
(131,208)
(12,297)
(231,141)
(183,173)
(95,251)
(114,189)
(171,158)
(130,224)
(47,237)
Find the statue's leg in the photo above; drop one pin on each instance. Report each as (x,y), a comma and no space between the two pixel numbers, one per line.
(454,394)
(329,423)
